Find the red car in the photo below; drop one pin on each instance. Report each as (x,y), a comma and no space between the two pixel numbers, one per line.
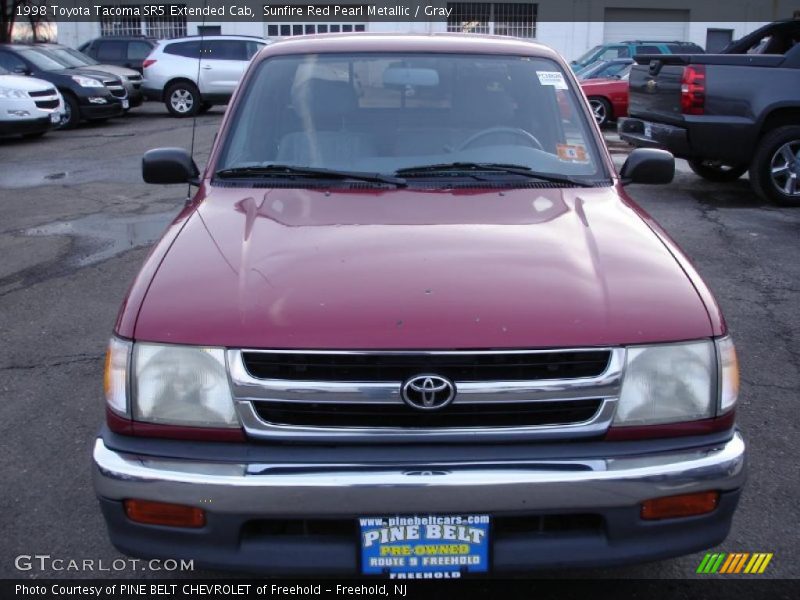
(411,325)
(607,97)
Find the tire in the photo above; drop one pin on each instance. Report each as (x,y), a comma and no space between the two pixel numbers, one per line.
(602,110)
(205,107)
(73,112)
(716,171)
(182,99)
(775,170)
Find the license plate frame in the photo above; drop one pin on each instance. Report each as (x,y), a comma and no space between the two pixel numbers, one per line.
(425,546)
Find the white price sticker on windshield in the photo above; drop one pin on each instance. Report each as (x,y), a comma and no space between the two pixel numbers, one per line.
(554,78)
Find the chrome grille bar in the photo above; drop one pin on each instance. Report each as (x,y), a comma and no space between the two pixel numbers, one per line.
(248,390)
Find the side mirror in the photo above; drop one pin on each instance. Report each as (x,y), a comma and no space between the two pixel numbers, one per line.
(169,165)
(648,165)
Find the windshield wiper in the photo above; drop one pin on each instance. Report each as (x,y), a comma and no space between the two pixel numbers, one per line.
(291,171)
(471,168)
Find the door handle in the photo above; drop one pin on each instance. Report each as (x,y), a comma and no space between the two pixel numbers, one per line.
(207,67)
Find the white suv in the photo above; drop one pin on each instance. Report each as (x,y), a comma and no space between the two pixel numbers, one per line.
(192,74)
(28,107)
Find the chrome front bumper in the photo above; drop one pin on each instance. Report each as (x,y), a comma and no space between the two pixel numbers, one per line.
(324,490)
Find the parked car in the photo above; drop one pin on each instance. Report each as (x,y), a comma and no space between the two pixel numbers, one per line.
(401,309)
(70,57)
(190,75)
(726,113)
(608,97)
(88,94)
(28,106)
(123,51)
(631,48)
(605,69)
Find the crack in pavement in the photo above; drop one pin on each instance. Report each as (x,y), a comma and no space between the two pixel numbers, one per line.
(78,358)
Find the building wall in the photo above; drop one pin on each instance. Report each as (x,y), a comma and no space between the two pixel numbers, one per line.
(570,38)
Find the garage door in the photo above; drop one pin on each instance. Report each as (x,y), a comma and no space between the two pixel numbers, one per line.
(645,24)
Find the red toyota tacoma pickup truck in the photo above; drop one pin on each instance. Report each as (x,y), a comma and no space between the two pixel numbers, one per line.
(412,326)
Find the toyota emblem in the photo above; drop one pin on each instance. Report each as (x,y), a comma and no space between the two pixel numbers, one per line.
(428,392)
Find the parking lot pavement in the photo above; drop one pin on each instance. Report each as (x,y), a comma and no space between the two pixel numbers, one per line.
(75,223)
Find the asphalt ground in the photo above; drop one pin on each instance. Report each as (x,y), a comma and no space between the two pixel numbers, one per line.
(76,221)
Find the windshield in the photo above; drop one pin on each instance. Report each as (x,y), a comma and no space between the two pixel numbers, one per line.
(69,57)
(42,61)
(383,113)
(586,57)
(4,71)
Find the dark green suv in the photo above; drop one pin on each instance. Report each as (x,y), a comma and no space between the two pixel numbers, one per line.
(631,48)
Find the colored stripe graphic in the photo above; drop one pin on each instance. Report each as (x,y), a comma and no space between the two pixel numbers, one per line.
(728,564)
(735,562)
(765,563)
(740,564)
(703,564)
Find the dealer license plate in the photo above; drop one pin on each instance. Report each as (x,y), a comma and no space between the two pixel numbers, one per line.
(125,104)
(55,118)
(422,547)
(648,131)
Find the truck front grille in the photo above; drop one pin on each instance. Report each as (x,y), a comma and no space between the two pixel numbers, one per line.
(399,367)
(359,396)
(399,415)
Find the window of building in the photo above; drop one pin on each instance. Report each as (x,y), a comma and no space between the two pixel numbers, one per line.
(209,30)
(290,29)
(497,18)
(163,27)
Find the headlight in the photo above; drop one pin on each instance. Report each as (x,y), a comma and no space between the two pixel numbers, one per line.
(12,93)
(87,82)
(182,385)
(668,384)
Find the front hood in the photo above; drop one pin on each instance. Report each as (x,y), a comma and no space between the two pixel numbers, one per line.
(92,71)
(122,72)
(27,84)
(404,269)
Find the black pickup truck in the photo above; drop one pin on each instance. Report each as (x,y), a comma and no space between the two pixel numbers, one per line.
(726,113)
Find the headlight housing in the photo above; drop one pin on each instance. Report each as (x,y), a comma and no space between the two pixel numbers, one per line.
(182,385)
(668,383)
(12,93)
(87,82)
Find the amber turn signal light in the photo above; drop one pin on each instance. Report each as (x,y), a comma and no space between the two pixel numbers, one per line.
(685,505)
(161,513)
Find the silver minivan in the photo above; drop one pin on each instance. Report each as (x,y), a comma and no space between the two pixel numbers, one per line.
(192,74)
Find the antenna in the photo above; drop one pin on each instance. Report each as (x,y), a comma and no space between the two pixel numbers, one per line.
(197,80)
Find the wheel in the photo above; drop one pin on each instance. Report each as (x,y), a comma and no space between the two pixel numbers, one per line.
(182,99)
(527,136)
(775,170)
(205,107)
(716,171)
(601,109)
(72,112)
